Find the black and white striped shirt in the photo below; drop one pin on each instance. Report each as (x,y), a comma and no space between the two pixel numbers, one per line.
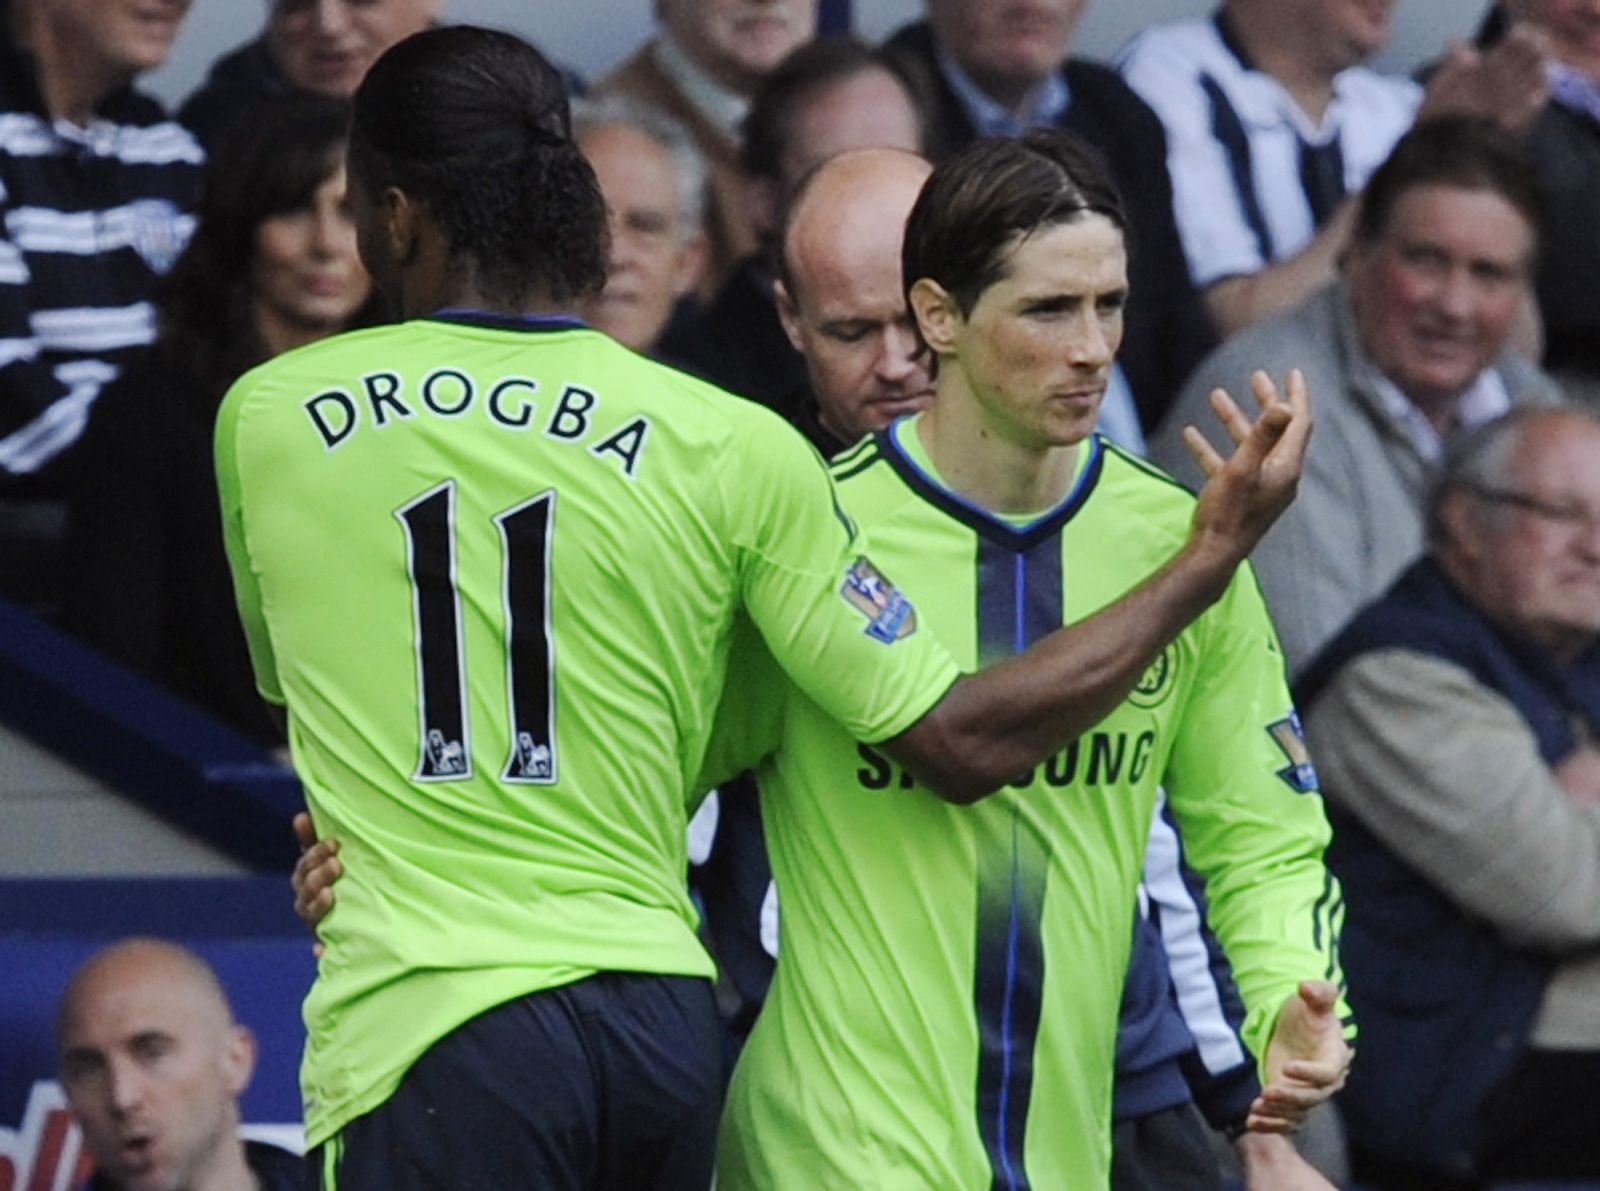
(90,217)
(1252,175)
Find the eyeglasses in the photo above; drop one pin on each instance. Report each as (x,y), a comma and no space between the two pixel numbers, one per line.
(1571,515)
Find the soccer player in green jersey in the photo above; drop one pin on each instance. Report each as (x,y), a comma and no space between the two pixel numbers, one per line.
(944,1011)
(491,562)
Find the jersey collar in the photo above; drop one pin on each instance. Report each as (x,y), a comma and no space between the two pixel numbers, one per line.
(997,529)
(509,322)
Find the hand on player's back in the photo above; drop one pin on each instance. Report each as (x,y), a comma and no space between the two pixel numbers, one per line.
(314,874)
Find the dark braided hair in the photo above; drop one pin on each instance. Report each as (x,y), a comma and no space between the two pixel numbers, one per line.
(474,123)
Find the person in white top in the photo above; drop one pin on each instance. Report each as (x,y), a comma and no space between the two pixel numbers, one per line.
(1273,124)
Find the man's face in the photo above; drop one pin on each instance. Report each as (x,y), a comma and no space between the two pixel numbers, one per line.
(1536,553)
(327,46)
(1352,30)
(1436,292)
(739,41)
(866,110)
(1006,45)
(152,1069)
(846,312)
(128,36)
(1573,27)
(655,258)
(1036,351)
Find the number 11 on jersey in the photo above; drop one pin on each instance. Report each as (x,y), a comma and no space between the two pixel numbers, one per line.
(445,740)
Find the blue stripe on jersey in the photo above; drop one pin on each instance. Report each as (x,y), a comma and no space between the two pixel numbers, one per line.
(1008,990)
(1019,600)
(1235,142)
(1019,595)
(1322,178)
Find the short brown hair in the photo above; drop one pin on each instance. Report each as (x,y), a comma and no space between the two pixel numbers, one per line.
(978,203)
(1465,152)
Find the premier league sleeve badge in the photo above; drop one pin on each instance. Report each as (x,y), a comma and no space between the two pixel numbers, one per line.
(889,613)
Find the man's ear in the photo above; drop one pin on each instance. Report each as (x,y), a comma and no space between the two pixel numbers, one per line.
(938,317)
(1461,525)
(238,1059)
(401,227)
(788,314)
(693,258)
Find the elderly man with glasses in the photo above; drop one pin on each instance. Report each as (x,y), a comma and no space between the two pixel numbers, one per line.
(1454,725)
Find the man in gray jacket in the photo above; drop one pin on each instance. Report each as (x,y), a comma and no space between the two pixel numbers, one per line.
(1407,349)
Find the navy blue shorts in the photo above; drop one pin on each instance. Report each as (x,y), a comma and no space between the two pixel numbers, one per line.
(1168,1150)
(609,1084)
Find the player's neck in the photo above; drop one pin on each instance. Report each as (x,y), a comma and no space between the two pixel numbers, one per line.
(434,278)
(991,468)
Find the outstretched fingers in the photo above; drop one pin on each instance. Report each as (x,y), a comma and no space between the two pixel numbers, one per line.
(1253,440)
(1274,446)
(1203,452)
(1297,400)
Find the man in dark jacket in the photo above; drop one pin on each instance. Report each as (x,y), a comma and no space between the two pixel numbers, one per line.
(1454,724)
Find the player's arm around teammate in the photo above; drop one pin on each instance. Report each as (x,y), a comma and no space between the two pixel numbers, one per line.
(1091,664)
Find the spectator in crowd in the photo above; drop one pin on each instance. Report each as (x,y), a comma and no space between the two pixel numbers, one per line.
(702,66)
(654,184)
(1565,142)
(1273,123)
(153,1065)
(272,265)
(983,71)
(473,205)
(1407,349)
(317,46)
(96,192)
(830,95)
(1454,723)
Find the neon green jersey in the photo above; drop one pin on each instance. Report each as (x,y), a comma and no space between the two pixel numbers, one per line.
(492,571)
(945,1008)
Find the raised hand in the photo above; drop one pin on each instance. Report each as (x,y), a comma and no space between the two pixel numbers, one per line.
(1247,491)
(1507,83)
